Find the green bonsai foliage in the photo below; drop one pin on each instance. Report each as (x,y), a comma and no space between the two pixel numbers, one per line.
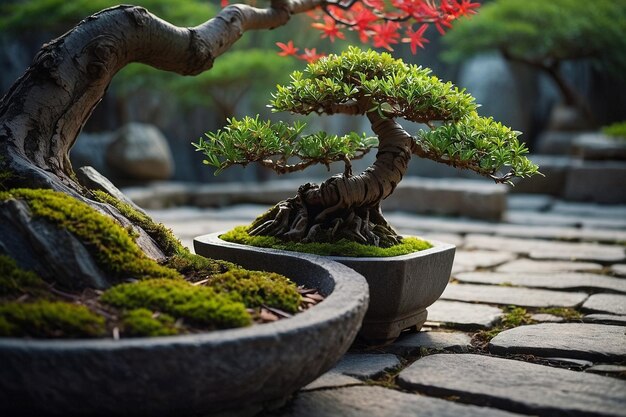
(341,248)
(196,304)
(546,33)
(49,319)
(384,89)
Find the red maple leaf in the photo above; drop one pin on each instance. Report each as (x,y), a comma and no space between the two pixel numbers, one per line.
(466,8)
(287,49)
(416,38)
(310,55)
(385,34)
(329,29)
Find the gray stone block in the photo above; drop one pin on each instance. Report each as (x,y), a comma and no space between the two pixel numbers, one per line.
(366,365)
(529,265)
(413,343)
(554,168)
(598,146)
(516,386)
(592,342)
(464,315)
(605,319)
(600,182)
(606,303)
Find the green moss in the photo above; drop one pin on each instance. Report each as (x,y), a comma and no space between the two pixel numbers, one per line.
(616,130)
(341,248)
(513,317)
(15,281)
(49,319)
(565,312)
(163,236)
(111,245)
(257,288)
(198,304)
(142,322)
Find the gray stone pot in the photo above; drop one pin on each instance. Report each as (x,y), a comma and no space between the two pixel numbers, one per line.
(192,374)
(401,287)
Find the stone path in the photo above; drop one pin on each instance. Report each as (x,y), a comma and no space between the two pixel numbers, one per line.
(533,322)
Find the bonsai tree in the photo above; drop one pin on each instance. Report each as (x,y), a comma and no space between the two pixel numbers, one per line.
(545,34)
(383,89)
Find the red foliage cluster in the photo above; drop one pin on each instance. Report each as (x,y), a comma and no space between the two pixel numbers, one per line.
(381,22)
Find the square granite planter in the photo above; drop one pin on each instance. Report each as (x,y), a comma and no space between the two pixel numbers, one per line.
(401,287)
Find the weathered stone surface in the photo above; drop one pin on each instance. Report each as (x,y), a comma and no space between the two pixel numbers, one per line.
(366,365)
(606,303)
(528,202)
(332,380)
(378,402)
(546,318)
(558,219)
(464,315)
(590,210)
(598,146)
(410,344)
(528,265)
(589,232)
(605,319)
(607,369)
(619,269)
(596,181)
(481,259)
(557,280)
(470,198)
(140,152)
(543,249)
(516,385)
(525,297)
(593,342)
(92,179)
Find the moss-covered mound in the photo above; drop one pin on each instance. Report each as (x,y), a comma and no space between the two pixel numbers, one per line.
(342,248)
(43,318)
(187,293)
(196,304)
(258,288)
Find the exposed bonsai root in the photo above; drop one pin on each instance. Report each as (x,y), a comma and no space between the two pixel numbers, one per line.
(304,219)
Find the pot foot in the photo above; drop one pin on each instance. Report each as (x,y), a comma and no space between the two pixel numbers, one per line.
(386,332)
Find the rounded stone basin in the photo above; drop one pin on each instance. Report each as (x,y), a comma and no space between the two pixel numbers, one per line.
(191,374)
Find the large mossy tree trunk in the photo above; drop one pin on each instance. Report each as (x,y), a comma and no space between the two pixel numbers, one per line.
(346,206)
(44,111)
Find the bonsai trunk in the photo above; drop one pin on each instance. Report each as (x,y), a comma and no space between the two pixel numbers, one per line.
(44,111)
(345,206)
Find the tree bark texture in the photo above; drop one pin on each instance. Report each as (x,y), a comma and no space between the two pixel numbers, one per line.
(44,111)
(346,206)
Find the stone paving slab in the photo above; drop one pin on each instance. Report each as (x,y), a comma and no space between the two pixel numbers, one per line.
(516,386)
(558,219)
(606,303)
(560,233)
(543,249)
(590,209)
(529,265)
(592,342)
(523,297)
(366,365)
(411,344)
(619,269)
(605,319)
(332,380)
(559,280)
(481,259)
(378,402)
(529,202)
(546,318)
(464,315)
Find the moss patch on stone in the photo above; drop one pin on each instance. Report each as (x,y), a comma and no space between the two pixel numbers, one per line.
(259,288)
(49,319)
(564,312)
(143,322)
(341,248)
(197,304)
(16,281)
(111,245)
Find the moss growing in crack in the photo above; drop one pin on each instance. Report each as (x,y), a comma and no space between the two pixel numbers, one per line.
(49,319)
(111,245)
(16,281)
(180,259)
(143,322)
(565,312)
(197,304)
(513,317)
(257,288)
(342,248)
